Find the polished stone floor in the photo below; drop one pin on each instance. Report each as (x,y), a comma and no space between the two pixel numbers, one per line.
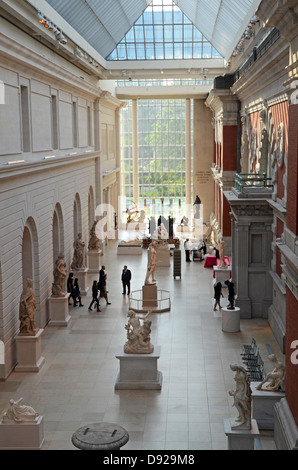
(75,386)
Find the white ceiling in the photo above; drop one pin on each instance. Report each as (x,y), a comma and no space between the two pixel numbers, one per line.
(103,23)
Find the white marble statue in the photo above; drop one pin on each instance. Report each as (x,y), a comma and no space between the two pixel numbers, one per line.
(138,335)
(135,242)
(276,378)
(161,234)
(94,242)
(151,264)
(78,255)
(59,274)
(222,264)
(19,413)
(27,311)
(242,398)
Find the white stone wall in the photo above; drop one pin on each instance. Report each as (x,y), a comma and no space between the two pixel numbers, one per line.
(49,110)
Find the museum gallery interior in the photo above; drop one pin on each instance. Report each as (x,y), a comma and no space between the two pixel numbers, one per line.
(149,225)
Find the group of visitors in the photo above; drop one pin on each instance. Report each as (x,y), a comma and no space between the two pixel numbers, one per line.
(99,290)
(189,248)
(74,291)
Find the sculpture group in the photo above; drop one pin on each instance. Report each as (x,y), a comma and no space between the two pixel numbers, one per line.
(138,334)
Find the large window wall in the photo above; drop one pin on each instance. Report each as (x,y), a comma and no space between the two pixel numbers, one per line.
(161,153)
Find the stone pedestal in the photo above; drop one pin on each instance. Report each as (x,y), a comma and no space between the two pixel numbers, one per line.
(82,277)
(129,250)
(163,256)
(100,436)
(263,403)
(149,296)
(22,436)
(58,311)
(29,353)
(138,371)
(230,320)
(222,274)
(241,439)
(94,261)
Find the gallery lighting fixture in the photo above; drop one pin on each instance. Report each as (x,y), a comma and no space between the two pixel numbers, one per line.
(83,55)
(248,33)
(51,27)
(12,162)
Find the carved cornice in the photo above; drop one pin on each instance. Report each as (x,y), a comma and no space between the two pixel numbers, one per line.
(224,106)
(282,14)
(253,210)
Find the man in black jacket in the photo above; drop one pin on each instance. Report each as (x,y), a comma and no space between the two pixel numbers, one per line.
(125,278)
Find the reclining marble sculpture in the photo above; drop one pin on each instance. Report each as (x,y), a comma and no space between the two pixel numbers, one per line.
(19,413)
(242,398)
(276,378)
(138,335)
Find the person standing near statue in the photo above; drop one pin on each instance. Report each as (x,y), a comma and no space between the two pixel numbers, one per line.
(187,248)
(125,278)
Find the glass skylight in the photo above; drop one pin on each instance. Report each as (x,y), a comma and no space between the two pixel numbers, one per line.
(163,32)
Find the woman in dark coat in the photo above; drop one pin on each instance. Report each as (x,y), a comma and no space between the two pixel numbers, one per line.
(94,297)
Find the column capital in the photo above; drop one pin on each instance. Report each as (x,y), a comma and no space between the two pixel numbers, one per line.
(224,105)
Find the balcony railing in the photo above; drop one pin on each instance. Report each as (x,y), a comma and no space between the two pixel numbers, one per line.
(253,183)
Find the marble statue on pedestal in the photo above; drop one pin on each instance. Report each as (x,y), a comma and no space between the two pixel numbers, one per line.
(138,335)
(59,274)
(27,310)
(78,255)
(161,235)
(19,413)
(222,264)
(151,264)
(242,398)
(94,242)
(276,378)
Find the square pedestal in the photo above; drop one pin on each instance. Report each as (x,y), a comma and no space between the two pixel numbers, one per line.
(163,256)
(222,274)
(22,436)
(230,320)
(149,296)
(94,261)
(241,439)
(58,311)
(29,353)
(263,403)
(129,250)
(138,371)
(82,278)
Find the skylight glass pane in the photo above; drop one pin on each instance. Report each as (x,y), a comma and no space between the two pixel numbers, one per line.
(140,52)
(163,32)
(139,33)
(149,51)
(178,33)
(178,50)
(168,32)
(148,33)
(159,52)
(158,33)
(188,32)
(169,51)
(131,51)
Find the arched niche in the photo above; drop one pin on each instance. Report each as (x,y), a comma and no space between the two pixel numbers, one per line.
(58,232)
(91,207)
(30,259)
(77,216)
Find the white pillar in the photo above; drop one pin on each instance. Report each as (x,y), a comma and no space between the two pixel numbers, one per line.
(188,152)
(135,156)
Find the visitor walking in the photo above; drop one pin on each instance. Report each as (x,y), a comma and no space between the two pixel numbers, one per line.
(94,297)
(70,288)
(103,293)
(217,294)
(77,293)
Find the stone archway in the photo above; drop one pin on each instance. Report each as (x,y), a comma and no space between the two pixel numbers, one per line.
(58,232)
